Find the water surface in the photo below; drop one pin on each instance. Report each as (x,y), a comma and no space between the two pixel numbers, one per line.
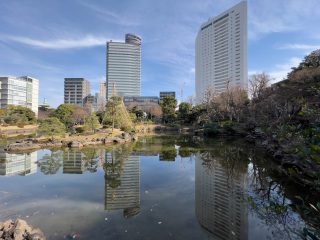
(157,188)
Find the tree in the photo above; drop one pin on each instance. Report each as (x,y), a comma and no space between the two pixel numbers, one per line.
(51,127)
(70,114)
(184,111)
(20,115)
(258,83)
(91,122)
(168,106)
(116,114)
(156,112)
(64,114)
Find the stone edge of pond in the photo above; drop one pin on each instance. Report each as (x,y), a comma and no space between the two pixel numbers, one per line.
(33,144)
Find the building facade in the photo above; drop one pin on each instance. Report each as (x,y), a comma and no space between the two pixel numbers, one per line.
(122,184)
(18,164)
(76,90)
(221,205)
(102,96)
(124,67)
(167,94)
(221,52)
(21,91)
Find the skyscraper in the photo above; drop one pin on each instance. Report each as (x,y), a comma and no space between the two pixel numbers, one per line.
(124,67)
(22,91)
(221,52)
(102,95)
(76,90)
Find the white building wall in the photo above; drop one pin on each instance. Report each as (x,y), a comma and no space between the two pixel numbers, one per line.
(221,52)
(21,91)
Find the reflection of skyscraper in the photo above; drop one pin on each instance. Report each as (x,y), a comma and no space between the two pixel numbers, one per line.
(220,201)
(122,185)
(18,164)
(73,162)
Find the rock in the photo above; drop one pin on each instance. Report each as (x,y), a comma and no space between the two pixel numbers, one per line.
(134,137)
(7,225)
(37,234)
(21,227)
(117,140)
(75,144)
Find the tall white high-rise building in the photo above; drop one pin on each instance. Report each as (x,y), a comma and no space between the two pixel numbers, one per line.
(124,67)
(21,91)
(221,52)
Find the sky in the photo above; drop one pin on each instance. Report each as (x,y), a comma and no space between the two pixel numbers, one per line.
(51,40)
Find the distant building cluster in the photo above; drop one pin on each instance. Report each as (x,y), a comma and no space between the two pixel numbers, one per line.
(220,63)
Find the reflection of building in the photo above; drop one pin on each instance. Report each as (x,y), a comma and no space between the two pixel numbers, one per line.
(22,91)
(221,206)
(124,67)
(122,185)
(73,162)
(221,52)
(75,90)
(18,164)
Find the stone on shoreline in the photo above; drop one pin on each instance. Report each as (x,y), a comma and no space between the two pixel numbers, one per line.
(19,230)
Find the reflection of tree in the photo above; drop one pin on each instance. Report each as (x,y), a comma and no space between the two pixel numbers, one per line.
(91,156)
(168,153)
(51,163)
(114,164)
(274,198)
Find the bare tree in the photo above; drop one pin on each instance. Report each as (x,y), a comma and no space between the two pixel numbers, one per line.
(257,84)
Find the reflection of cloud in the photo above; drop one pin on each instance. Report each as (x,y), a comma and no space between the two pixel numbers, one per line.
(58,215)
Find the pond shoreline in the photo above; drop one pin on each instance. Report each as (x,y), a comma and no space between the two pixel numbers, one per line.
(35,144)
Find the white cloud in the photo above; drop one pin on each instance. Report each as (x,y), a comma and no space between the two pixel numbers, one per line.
(281,70)
(87,41)
(300,47)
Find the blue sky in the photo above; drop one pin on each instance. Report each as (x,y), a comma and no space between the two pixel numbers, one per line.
(51,40)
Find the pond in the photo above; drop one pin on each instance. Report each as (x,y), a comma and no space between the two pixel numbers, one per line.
(156,188)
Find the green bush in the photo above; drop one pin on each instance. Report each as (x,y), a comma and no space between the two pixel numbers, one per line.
(211,129)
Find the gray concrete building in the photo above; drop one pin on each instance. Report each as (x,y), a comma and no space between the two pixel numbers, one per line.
(167,94)
(123,75)
(76,90)
(21,91)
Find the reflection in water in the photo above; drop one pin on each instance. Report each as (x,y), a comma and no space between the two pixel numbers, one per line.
(221,206)
(51,163)
(73,162)
(122,182)
(17,164)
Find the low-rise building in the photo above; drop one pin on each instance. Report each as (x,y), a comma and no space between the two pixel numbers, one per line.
(21,91)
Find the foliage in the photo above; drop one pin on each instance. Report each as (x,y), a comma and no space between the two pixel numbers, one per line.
(184,111)
(51,127)
(116,114)
(70,114)
(211,129)
(19,115)
(91,122)
(168,106)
